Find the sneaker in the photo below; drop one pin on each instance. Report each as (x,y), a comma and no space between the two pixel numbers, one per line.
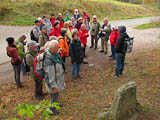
(54,111)
(101,51)
(85,62)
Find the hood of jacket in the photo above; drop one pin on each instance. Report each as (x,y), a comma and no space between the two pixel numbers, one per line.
(122,29)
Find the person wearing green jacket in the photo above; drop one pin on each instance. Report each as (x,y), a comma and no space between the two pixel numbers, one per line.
(20,43)
(67,18)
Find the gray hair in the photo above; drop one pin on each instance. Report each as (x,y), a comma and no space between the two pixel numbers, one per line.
(52,44)
(53,38)
(44,28)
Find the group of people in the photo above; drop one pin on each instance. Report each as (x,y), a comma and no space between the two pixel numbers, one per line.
(57,39)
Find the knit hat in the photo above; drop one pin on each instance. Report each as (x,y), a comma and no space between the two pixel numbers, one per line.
(56,23)
(44,28)
(32,43)
(36,21)
(67,14)
(10,40)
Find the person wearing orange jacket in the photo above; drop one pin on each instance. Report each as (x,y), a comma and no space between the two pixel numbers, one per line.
(83,34)
(64,45)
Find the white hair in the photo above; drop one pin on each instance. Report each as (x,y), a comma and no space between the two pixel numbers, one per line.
(106,19)
(53,38)
(52,44)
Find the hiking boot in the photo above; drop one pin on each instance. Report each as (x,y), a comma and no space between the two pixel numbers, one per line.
(91,47)
(39,98)
(74,79)
(44,94)
(101,51)
(110,56)
(95,48)
(20,86)
(85,62)
(105,53)
(54,111)
(78,76)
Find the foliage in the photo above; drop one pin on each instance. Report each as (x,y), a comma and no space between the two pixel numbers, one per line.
(149,25)
(24,12)
(25,110)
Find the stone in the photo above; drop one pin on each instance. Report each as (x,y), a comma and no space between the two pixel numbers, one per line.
(124,101)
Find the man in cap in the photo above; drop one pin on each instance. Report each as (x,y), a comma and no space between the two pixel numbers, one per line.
(95,26)
(41,23)
(55,30)
(30,56)
(106,31)
(35,31)
(47,24)
(67,18)
(43,37)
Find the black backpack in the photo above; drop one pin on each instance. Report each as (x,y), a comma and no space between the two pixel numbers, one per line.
(32,36)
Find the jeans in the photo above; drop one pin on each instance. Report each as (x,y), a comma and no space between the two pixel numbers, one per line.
(17,71)
(120,58)
(75,70)
(113,51)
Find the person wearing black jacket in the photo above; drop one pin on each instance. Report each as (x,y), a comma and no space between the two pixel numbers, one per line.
(76,55)
(120,51)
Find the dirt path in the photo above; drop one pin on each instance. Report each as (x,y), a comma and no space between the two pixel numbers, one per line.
(144,40)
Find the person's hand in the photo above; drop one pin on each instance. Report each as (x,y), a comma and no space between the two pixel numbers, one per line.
(87,34)
(82,45)
(56,90)
(101,30)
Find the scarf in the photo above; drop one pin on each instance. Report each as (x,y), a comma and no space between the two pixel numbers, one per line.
(56,57)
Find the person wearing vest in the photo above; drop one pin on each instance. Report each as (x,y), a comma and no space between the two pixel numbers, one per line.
(30,57)
(43,37)
(15,60)
(95,26)
(106,31)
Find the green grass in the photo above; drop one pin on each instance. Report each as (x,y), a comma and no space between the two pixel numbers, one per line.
(118,3)
(24,12)
(149,25)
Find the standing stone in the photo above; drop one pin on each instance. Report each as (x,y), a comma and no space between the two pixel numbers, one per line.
(123,102)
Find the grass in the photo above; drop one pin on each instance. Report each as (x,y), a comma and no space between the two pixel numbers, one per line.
(149,25)
(24,12)
(84,99)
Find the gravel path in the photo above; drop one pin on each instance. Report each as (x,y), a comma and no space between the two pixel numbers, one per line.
(144,40)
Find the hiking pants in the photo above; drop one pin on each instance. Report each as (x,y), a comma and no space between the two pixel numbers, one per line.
(94,40)
(17,73)
(104,44)
(38,87)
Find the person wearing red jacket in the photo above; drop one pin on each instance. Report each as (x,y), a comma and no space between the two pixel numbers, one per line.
(55,30)
(61,21)
(15,60)
(113,40)
(52,19)
(83,34)
(86,15)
